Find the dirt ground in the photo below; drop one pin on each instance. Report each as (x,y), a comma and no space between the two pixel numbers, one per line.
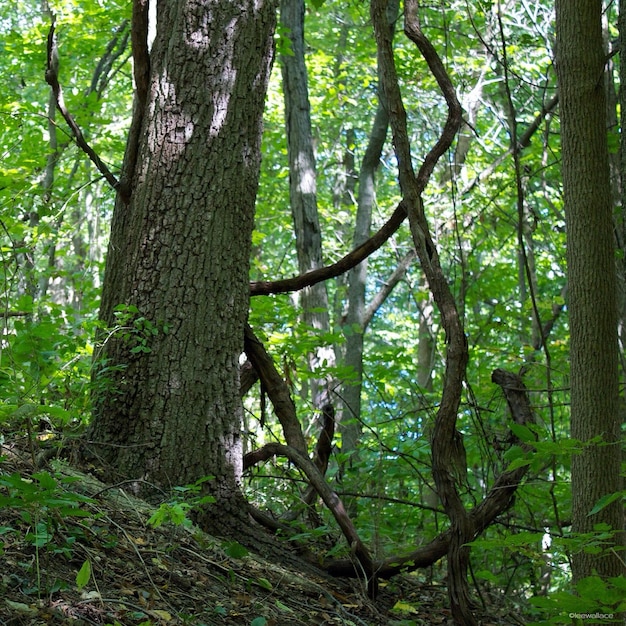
(76,551)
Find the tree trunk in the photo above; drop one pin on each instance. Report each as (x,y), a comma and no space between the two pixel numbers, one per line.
(167,408)
(303,191)
(591,276)
(354,329)
(356,322)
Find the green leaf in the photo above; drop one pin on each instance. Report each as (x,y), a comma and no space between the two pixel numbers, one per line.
(523,433)
(266,584)
(283,607)
(519,462)
(258,621)
(84,574)
(235,550)
(45,480)
(604,501)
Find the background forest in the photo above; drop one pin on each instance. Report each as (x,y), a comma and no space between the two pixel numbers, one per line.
(366,349)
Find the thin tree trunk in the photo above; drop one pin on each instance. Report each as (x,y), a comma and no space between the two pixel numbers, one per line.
(591,278)
(355,324)
(303,190)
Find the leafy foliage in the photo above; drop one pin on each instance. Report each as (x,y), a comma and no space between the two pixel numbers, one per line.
(500,234)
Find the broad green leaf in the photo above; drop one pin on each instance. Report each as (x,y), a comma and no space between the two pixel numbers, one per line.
(604,501)
(84,574)
(235,550)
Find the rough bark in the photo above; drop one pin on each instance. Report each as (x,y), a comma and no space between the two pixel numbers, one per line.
(618,175)
(591,277)
(169,412)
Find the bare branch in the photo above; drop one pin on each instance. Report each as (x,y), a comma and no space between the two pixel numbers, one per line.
(52,78)
(287,285)
(522,142)
(383,293)
(277,390)
(332,501)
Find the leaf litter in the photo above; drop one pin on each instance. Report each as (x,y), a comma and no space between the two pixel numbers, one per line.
(76,551)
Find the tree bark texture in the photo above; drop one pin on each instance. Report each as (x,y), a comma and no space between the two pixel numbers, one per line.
(169,412)
(591,275)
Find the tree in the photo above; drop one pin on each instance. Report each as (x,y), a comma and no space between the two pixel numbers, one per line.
(175,293)
(591,276)
(420,328)
(303,190)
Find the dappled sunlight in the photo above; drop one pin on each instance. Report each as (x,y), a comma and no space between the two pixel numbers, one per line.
(170,128)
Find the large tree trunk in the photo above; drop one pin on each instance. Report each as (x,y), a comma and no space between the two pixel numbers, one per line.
(591,276)
(168,410)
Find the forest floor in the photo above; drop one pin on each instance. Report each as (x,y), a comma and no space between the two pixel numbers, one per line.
(76,551)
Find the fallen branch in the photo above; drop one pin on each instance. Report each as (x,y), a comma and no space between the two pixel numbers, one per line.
(285,410)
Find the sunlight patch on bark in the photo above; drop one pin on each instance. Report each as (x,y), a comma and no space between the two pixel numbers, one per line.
(234,455)
(172,128)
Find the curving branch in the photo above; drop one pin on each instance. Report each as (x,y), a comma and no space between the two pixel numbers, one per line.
(454,119)
(278,391)
(498,500)
(447,447)
(334,504)
(352,259)
(52,78)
